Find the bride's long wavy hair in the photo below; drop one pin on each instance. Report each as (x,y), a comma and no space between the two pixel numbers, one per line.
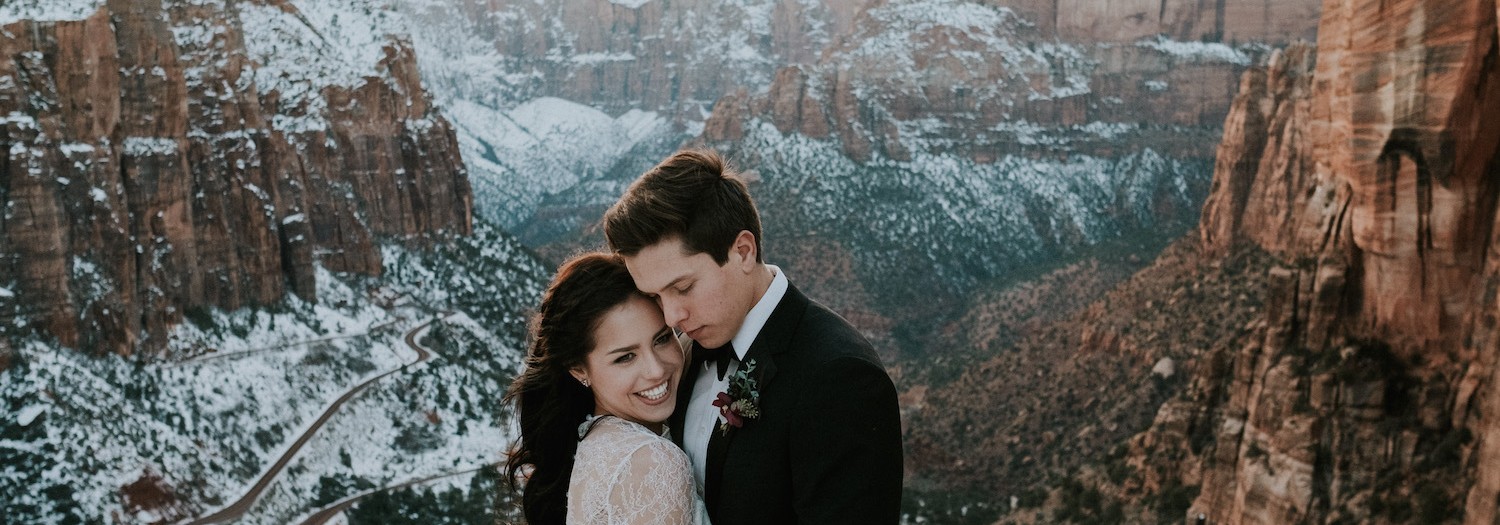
(550,402)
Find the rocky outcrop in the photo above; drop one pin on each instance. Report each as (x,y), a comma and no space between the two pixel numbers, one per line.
(677,57)
(146,174)
(1188,20)
(1262,156)
(1372,393)
(906,78)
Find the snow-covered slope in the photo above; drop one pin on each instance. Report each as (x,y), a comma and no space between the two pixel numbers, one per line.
(121,439)
(941,223)
(542,147)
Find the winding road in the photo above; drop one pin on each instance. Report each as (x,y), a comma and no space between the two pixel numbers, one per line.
(248,351)
(323,515)
(239,507)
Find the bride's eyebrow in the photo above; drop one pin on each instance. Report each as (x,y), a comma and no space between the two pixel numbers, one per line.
(628,348)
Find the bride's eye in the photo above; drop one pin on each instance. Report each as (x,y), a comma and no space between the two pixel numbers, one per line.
(663,338)
(625,358)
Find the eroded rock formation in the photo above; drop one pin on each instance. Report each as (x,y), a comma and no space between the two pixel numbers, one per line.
(145,173)
(1372,172)
(977,82)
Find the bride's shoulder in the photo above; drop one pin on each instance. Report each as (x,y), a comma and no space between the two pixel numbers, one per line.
(611,440)
(616,430)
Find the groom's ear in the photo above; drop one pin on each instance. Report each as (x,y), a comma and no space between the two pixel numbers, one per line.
(742,252)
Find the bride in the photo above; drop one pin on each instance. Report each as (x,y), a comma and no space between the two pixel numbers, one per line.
(600,379)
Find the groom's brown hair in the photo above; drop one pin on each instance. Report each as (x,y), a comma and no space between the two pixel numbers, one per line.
(693,195)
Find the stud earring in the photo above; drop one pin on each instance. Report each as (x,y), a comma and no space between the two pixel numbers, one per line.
(585,382)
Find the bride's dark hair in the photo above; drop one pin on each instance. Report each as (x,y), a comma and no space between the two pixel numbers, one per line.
(550,402)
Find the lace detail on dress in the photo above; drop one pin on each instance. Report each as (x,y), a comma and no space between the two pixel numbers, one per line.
(623,474)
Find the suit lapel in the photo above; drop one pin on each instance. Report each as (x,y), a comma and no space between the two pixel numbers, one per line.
(772,340)
(678,418)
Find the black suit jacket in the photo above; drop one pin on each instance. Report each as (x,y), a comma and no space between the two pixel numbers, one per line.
(826,447)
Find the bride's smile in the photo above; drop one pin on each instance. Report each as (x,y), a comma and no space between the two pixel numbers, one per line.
(655,395)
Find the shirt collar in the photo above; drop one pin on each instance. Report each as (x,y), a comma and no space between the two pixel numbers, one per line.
(758,315)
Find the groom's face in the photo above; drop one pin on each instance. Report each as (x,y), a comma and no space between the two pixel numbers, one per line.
(698,296)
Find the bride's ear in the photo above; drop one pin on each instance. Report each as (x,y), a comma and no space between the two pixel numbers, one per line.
(580,375)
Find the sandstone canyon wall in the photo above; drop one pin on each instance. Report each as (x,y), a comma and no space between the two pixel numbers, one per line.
(1370,167)
(674,57)
(148,170)
(969,73)
(1187,20)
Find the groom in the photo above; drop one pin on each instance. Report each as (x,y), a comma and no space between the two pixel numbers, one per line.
(785,410)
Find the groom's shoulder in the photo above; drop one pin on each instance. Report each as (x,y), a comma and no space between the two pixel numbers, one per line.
(826,335)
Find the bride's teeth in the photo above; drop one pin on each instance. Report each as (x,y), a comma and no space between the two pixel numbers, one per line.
(655,393)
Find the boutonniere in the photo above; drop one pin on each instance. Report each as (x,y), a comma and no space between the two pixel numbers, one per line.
(741,400)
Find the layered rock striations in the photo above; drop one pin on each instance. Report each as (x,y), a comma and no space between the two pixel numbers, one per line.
(965,75)
(1371,171)
(152,167)
(1186,20)
(677,57)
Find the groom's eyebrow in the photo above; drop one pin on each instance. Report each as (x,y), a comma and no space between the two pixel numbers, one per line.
(671,284)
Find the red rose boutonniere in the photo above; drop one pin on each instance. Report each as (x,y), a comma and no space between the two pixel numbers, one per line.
(741,401)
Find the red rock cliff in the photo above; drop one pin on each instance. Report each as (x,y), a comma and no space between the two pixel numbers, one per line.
(1187,20)
(1372,171)
(142,174)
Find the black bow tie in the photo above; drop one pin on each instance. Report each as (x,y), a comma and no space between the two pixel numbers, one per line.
(720,356)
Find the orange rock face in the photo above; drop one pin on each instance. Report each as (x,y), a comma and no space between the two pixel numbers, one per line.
(144,176)
(1374,175)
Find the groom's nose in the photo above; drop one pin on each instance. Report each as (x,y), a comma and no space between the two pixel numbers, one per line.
(673,312)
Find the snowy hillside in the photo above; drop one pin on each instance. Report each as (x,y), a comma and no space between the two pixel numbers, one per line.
(542,147)
(107,439)
(946,223)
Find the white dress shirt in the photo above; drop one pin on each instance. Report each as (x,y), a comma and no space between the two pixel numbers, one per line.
(702,418)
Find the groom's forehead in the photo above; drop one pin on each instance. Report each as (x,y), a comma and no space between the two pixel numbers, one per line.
(653,275)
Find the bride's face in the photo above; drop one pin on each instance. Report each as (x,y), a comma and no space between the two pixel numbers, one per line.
(635,364)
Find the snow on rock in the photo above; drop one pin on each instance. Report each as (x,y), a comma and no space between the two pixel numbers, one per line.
(47,10)
(142,146)
(29,414)
(317,44)
(1198,51)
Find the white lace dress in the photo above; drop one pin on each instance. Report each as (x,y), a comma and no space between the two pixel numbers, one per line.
(624,474)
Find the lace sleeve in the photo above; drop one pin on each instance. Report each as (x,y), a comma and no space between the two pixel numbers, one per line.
(657,487)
